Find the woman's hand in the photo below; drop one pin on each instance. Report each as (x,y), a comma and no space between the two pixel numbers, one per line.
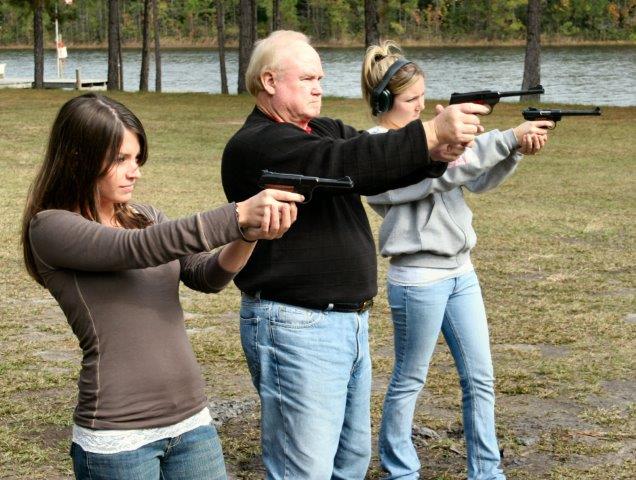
(531,143)
(268,214)
(532,136)
(447,152)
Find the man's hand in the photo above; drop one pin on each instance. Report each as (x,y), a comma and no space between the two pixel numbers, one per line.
(447,153)
(455,124)
(268,214)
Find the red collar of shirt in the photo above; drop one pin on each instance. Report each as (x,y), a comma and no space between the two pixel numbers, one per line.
(306,129)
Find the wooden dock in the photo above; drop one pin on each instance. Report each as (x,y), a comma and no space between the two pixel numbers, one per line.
(65,83)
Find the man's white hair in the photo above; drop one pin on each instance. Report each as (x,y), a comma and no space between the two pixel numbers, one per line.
(267,54)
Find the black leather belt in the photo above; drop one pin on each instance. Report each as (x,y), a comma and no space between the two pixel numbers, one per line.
(334,307)
(350,307)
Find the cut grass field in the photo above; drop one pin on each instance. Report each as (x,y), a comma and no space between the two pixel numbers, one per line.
(555,258)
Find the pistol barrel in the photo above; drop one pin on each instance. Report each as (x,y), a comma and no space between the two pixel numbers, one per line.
(537,90)
(532,113)
(297,180)
(573,113)
(555,115)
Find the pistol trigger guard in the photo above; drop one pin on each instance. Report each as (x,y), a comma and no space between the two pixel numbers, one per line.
(307,196)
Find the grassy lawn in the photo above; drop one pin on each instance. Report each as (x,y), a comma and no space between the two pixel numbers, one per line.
(555,258)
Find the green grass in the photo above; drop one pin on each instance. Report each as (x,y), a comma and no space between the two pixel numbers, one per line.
(555,258)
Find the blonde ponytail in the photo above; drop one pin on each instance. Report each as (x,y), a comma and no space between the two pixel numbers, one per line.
(377,61)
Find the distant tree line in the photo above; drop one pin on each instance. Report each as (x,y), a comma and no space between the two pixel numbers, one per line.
(337,21)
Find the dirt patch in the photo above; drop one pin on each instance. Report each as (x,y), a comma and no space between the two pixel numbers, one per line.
(530,415)
(241,444)
(59,355)
(224,410)
(630,318)
(615,393)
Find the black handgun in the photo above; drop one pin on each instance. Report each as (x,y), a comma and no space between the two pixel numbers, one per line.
(490,97)
(555,114)
(305,185)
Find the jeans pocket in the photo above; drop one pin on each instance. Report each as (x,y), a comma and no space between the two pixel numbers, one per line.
(249,342)
(249,312)
(289,316)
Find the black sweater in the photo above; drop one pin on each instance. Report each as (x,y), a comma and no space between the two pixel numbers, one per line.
(328,255)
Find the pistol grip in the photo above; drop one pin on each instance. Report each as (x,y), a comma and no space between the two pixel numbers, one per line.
(284,188)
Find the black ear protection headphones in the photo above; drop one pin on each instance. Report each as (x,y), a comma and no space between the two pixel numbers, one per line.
(381,97)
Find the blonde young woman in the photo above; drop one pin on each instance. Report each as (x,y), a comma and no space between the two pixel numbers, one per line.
(432,285)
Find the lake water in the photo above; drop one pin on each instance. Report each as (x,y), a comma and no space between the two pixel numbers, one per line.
(584,75)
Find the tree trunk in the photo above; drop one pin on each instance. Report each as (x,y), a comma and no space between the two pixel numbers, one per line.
(38,44)
(276,21)
(247,36)
(145,51)
(155,15)
(254,22)
(371,20)
(113,51)
(120,60)
(220,35)
(532,63)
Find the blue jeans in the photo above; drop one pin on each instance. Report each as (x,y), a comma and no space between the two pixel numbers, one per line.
(454,306)
(312,371)
(194,455)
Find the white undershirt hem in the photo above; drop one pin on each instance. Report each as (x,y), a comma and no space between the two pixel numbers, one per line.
(116,441)
(421,276)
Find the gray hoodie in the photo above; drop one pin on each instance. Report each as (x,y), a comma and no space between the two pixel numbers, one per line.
(429,224)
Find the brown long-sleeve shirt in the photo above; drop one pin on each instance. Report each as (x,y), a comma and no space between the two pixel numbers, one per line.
(119,290)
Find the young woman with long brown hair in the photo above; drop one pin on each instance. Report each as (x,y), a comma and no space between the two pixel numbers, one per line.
(114,267)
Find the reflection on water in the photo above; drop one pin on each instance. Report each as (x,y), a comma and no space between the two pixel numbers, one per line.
(585,75)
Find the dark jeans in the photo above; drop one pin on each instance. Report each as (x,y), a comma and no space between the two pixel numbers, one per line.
(194,455)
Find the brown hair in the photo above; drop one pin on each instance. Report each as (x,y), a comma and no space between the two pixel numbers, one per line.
(377,61)
(83,145)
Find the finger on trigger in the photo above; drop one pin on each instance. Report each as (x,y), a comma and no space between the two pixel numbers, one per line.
(285,222)
(275,218)
(265,221)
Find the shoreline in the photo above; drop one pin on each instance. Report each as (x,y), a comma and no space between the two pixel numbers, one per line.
(174,44)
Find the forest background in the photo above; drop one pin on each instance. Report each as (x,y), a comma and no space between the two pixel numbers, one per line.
(331,22)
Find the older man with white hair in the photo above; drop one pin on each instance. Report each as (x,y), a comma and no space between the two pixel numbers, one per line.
(304,311)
